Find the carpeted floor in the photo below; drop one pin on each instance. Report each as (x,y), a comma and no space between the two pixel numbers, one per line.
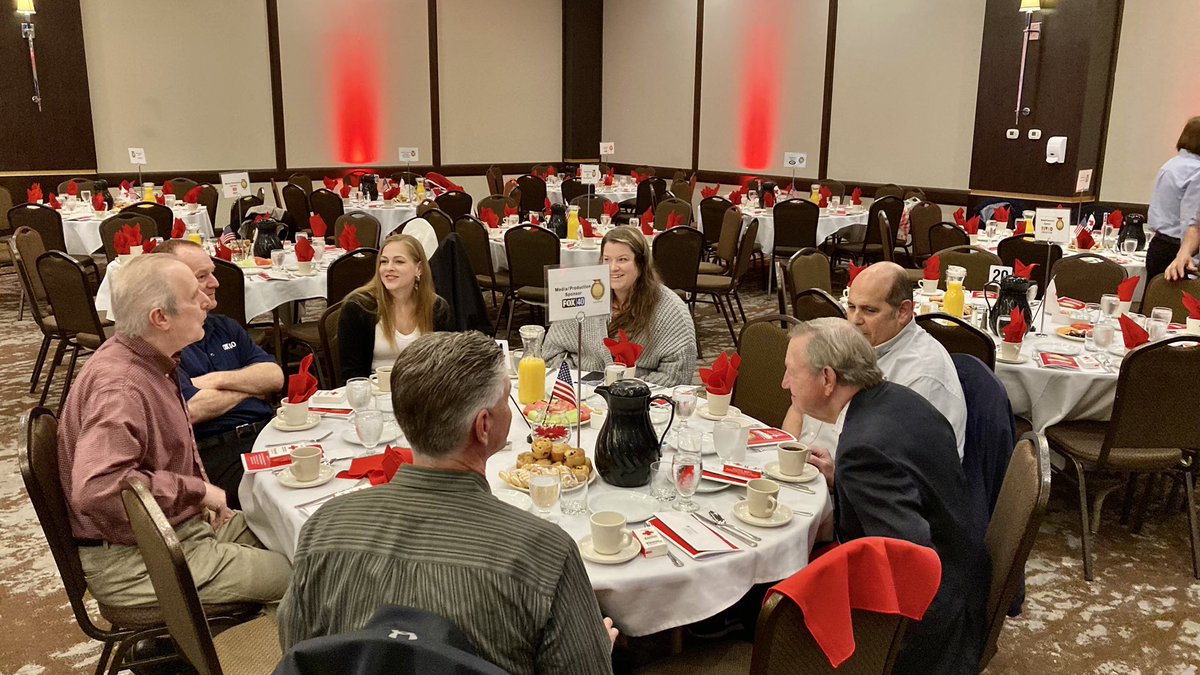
(1140,616)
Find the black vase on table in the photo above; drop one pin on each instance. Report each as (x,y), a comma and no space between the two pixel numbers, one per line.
(627,444)
(266,237)
(558,220)
(1012,292)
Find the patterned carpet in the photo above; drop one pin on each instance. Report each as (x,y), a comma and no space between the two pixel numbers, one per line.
(1138,617)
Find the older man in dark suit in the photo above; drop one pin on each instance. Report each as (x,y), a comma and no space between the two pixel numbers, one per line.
(895,476)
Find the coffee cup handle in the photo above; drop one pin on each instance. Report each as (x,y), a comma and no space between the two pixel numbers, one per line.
(772,504)
(626,538)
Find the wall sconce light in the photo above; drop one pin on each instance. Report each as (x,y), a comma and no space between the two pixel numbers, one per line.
(26,7)
(1032,32)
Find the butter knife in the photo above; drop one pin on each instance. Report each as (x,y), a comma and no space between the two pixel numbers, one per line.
(728,530)
(674,561)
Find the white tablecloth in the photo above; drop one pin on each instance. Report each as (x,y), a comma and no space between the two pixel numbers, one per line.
(570,254)
(828,224)
(390,218)
(613,194)
(81,229)
(1135,265)
(642,596)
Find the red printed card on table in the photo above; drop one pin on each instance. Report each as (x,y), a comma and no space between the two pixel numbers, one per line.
(690,535)
(1071,303)
(1060,361)
(272,458)
(765,437)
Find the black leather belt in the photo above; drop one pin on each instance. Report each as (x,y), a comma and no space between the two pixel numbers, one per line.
(1174,241)
(248,430)
(86,543)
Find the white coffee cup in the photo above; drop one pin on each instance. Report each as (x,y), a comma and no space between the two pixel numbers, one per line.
(383,378)
(613,372)
(135,250)
(929,286)
(1193,326)
(306,463)
(792,458)
(718,404)
(305,267)
(1010,351)
(609,535)
(1122,307)
(761,497)
(589,243)
(293,414)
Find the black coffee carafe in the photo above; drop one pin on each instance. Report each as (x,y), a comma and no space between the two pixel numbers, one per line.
(1012,292)
(627,444)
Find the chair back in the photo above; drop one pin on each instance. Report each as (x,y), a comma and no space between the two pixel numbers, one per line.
(495,180)
(37,307)
(682,188)
(712,217)
(70,294)
(914,193)
(893,209)
(959,337)
(6,203)
(231,291)
(731,228)
(301,181)
(41,219)
(295,202)
(169,574)
(327,327)
(887,235)
(814,303)
(921,218)
(425,206)
(1087,276)
(474,237)
(1022,247)
(763,344)
(1013,529)
(676,256)
(529,249)
(455,203)
(366,227)
(889,190)
(671,205)
(163,216)
(182,186)
(540,170)
(327,204)
(590,206)
(741,263)
(28,247)
(572,188)
(975,260)
(208,199)
(649,192)
(349,272)
(441,222)
(114,224)
(81,183)
(409,177)
(1162,293)
(942,236)
(497,203)
(795,225)
(533,193)
(807,268)
(836,187)
(239,210)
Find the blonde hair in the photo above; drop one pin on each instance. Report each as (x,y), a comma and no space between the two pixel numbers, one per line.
(373,297)
(638,316)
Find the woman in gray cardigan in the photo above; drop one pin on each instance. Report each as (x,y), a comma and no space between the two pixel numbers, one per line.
(649,313)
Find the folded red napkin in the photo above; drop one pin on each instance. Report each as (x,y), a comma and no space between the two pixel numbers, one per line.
(578,171)
(551,171)
(882,575)
(224,253)
(317,223)
(52,201)
(856,196)
(648,217)
(707,192)
(168,189)
(1133,334)
(1022,270)
(378,468)
(768,199)
(1192,305)
(355,179)
(178,229)
(608,177)
(933,268)
(390,193)
(719,379)
(120,243)
(636,177)
(330,183)
(972,225)
(1000,215)
(624,352)
(546,204)
(736,197)
(304,250)
(1022,227)
(161,199)
(348,239)
(302,385)
(98,202)
(510,211)
(586,225)
(1084,240)
(826,193)
(489,217)
(34,194)
(149,245)
(1126,288)
(133,234)
(854,271)
(611,209)
(674,220)
(345,191)
(192,196)
(1116,219)
(72,188)
(960,217)
(647,227)
(1016,328)
(126,186)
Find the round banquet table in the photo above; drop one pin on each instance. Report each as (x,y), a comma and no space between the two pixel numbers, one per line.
(81,228)
(390,216)
(1134,264)
(644,595)
(613,193)
(570,253)
(827,225)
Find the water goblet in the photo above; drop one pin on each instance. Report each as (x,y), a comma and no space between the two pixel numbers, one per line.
(1129,246)
(368,424)
(1162,313)
(1102,335)
(635,222)
(358,393)
(1105,234)
(685,402)
(662,484)
(726,438)
(1157,328)
(1108,305)
(686,468)
(277,256)
(545,486)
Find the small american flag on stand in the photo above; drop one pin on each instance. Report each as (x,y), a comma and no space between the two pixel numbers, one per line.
(228,237)
(562,386)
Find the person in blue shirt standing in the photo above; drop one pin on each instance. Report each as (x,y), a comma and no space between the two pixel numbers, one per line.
(226,379)
(1175,202)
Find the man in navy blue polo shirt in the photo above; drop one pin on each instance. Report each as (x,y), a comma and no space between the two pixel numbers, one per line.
(225,378)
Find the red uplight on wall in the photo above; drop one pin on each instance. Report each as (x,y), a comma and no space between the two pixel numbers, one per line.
(355,94)
(759,101)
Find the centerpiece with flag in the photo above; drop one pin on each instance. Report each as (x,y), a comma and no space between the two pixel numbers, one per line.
(563,387)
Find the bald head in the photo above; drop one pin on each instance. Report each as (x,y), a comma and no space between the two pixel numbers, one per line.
(881,302)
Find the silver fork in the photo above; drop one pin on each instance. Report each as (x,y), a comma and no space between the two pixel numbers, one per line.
(720,520)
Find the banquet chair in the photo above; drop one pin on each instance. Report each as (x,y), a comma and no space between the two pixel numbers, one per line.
(301,181)
(80,183)
(72,299)
(591,205)
(683,188)
(425,206)
(836,187)
(880,239)
(795,229)
(1013,530)
(644,170)
(1087,276)
(239,210)
(455,203)
(671,205)
(1150,428)
(497,203)
(712,215)
(295,202)
(540,170)
(495,180)
(649,192)
(439,220)
(1022,247)
(807,268)
(331,350)
(244,647)
(533,194)
(940,235)
(349,272)
(114,223)
(474,237)
(366,227)
(41,219)
(724,288)
(914,193)
(24,247)
(181,186)
(889,190)
(163,216)
(6,230)
(529,250)
(763,344)
(231,301)
(958,336)
(726,249)
(409,177)
(814,303)
(921,219)
(676,255)
(573,187)
(975,260)
(208,199)
(327,204)
(1162,293)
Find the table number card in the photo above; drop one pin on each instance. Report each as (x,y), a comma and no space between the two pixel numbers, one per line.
(795,160)
(572,290)
(1052,225)
(137,155)
(998,272)
(608,148)
(589,174)
(409,155)
(234,185)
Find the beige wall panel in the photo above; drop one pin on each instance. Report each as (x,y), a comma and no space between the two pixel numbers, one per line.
(1157,89)
(798,33)
(649,80)
(158,81)
(905,79)
(500,76)
(373,54)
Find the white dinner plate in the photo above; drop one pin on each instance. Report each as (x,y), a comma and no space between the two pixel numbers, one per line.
(390,433)
(635,506)
(706,486)
(809,473)
(1021,358)
(732,412)
(514,498)
(325,475)
(782,516)
(587,552)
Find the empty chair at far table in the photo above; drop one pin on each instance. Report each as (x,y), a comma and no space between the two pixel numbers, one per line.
(763,344)
(41,219)
(814,303)
(529,249)
(1163,293)
(181,186)
(836,187)
(1087,276)
(889,190)
(208,199)
(327,204)
(239,210)
(672,206)
(572,187)
(591,206)
(455,203)
(941,236)
(533,194)
(295,202)
(498,203)
(366,227)
(349,272)
(163,217)
(118,221)
(976,261)
(301,181)
(1022,247)
(72,299)
(921,218)
(724,289)
(960,337)
(807,268)
(495,180)
(712,215)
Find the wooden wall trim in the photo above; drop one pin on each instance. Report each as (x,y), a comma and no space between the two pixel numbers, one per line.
(276,84)
(435,104)
(827,95)
(1098,173)
(696,86)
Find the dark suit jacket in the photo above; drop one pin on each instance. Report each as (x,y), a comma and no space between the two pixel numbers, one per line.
(897,474)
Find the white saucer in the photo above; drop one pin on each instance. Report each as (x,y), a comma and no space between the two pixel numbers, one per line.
(313,420)
(782,516)
(702,411)
(390,433)
(810,473)
(624,555)
(514,498)
(1021,358)
(288,480)
(635,506)
(298,273)
(706,486)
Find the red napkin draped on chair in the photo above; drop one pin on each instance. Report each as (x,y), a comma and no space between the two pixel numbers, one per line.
(224,253)
(178,229)
(317,223)
(933,268)
(302,385)
(674,220)
(854,271)
(52,201)
(624,352)
(1126,288)
(304,250)
(1022,270)
(1016,328)
(1116,219)
(719,379)
(586,226)
(98,202)
(192,196)
(72,188)
(1000,215)
(960,217)
(330,183)
(972,225)
(611,209)
(877,574)
(1133,334)
(488,217)
(856,196)
(168,189)
(345,191)
(379,469)
(348,239)
(706,192)
(442,182)
(1192,305)
(1084,240)
(34,194)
